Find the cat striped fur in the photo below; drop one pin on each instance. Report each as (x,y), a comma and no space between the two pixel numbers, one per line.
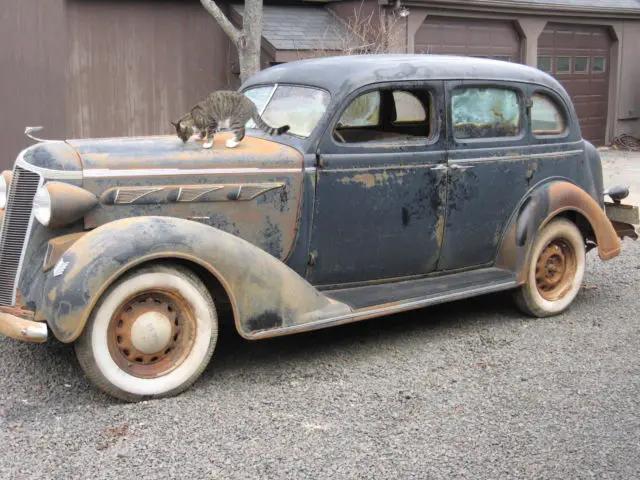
(222,107)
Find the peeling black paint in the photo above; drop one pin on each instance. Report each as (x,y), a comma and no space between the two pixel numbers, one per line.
(54,156)
(264,321)
(272,238)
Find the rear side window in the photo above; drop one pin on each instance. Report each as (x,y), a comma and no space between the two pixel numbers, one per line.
(485,113)
(546,116)
(408,107)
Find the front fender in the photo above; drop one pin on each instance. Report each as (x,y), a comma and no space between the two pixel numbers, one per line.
(538,208)
(264,292)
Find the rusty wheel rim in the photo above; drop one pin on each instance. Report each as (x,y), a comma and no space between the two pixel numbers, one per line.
(151,334)
(555,269)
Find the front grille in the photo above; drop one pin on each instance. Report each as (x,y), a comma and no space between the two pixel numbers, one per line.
(17,218)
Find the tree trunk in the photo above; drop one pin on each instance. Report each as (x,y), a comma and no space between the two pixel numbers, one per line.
(251,41)
(247,41)
(249,63)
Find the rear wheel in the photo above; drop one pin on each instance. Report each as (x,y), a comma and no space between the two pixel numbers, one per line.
(555,270)
(151,335)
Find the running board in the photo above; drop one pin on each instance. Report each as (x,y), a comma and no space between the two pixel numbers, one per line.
(401,297)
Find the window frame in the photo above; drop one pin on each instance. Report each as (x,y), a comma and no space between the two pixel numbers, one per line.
(420,143)
(517,88)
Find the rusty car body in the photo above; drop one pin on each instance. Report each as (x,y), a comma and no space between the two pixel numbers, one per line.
(405,181)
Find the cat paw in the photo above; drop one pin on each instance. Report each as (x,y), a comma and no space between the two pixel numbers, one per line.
(231,143)
(207,145)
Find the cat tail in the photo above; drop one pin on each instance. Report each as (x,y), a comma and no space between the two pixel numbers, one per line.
(270,130)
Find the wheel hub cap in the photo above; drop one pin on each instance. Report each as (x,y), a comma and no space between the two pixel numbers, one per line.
(555,270)
(151,332)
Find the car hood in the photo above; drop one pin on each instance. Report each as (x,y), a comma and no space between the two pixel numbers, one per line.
(137,154)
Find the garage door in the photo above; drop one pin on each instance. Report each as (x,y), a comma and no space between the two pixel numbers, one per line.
(578,56)
(472,37)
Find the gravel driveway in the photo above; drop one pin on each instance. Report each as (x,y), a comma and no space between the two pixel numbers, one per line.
(471,390)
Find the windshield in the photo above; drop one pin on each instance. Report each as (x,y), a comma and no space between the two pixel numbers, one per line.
(299,107)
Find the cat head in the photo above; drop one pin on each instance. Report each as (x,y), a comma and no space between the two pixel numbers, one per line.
(184,132)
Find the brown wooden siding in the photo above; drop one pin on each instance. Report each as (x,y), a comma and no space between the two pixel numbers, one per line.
(32,55)
(473,37)
(93,68)
(135,66)
(589,90)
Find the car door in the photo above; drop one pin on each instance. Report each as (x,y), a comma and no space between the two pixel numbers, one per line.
(381,181)
(489,168)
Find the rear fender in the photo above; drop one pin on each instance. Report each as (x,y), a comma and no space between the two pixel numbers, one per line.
(541,206)
(263,291)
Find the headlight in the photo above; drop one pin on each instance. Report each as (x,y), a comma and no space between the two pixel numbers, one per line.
(5,181)
(42,206)
(57,204)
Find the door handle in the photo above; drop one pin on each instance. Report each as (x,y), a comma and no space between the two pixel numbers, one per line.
(439,168)
(459,168)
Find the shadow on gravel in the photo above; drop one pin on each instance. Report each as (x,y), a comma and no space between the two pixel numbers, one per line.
(430,324)
(51,373)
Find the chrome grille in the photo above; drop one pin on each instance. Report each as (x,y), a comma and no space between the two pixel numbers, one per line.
(17,219)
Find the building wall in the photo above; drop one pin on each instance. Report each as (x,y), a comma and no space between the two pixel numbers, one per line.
(96,68)
(628,105)
(32,55)
(135,66)
(624,94)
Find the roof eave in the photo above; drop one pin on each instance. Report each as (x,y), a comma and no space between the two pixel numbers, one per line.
(503,6)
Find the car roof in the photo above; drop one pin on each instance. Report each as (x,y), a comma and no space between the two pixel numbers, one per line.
(343,74)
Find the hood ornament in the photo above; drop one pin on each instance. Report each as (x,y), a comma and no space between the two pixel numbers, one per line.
(29,130)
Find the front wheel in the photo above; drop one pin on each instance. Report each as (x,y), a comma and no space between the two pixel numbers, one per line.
(555,270)
(151,335)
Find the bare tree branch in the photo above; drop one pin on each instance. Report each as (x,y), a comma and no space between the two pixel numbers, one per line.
(233,33)
(361,33)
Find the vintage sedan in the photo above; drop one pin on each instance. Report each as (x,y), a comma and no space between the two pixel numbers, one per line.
(404,181)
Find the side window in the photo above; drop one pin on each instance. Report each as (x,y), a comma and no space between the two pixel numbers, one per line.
(546,116)
(362,112)
(485,113)
(408,107)
(387,116)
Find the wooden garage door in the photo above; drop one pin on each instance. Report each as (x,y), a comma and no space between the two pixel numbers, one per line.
(578,56)
(472,37)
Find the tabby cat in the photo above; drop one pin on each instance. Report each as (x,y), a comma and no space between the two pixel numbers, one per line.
(222,107)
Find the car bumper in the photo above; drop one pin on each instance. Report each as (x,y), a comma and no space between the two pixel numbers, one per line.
(624,219)
(20,328)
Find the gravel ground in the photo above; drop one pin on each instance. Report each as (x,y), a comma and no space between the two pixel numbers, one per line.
(471,389)
(622,168)
(467,390)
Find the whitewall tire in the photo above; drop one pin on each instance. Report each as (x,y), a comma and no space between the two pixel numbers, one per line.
(151,335)
(555,270)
